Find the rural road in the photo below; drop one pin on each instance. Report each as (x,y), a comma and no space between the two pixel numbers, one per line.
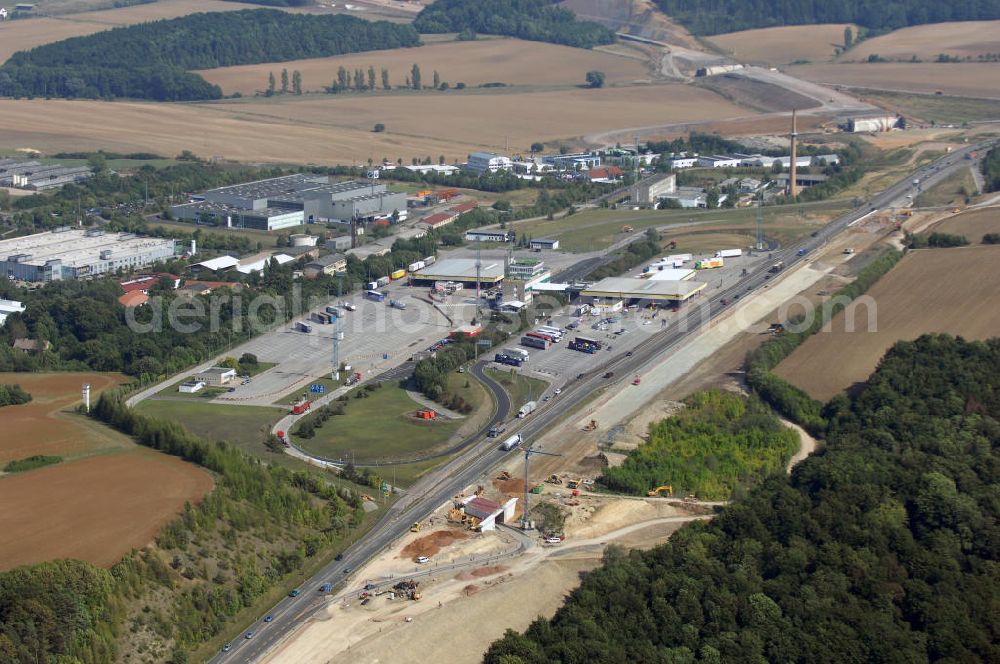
(438,488)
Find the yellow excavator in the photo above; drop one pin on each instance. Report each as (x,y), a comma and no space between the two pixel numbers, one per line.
(415,528)
(669,490)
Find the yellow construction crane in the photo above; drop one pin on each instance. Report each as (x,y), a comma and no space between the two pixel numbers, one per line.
(656,492)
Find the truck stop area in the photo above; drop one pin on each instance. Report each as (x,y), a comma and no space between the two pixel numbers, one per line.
(670,293)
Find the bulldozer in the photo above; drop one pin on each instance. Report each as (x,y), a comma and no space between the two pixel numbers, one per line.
(665,488)
(554,479)
(504,476)
(415,528)
(590,426)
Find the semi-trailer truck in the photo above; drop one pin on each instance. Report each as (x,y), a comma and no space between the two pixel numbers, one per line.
(535,342)
(709,264)
(729,253)
(383,281)
(511,442)
(372,285)
(375,296)
(527,409)
(303,327)
(398,274)
(503,358)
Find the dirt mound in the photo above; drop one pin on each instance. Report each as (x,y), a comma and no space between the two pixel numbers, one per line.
(430,544)
(470,590)
(757,95)
(489,571)
(512,486)
(635,17)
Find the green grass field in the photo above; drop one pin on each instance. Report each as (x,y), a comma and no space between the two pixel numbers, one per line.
(520,388)
(243,426)
(599,228)
(379,426)
(950,191)
(297,395)
(265,238)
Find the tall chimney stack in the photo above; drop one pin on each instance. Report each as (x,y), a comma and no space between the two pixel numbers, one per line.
(792,186)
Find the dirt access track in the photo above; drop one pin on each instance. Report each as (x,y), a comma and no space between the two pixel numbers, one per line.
(953,291)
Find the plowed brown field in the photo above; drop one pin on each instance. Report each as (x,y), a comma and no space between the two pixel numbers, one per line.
(963,79)
(48,424)
(106,498)
(953,291)
(94,509)
(509,61)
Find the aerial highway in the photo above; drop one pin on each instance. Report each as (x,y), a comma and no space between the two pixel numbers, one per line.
(482,453)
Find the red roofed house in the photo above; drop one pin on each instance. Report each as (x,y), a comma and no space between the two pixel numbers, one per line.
(605,174)
(462,208)
(135,298)
(488,512)
(440,219)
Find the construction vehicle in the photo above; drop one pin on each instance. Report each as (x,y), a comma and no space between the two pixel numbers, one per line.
(590,426)
(554,479)
(504,476)
(415,528)
(407,589)
(636,380)
(656,492)
(627,229)
(690,498)
(573,484)
(775,328)
(538,488)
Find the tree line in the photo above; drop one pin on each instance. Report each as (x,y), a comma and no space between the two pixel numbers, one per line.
(991,169)
(881,547)
(104,65)
(535,20)
(710,17)
(719,444)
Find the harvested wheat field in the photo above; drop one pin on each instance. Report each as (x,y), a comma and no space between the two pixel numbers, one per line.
(31,32)
(337,129)
(961,39)
(954,291)
(973,225)
(93,509)
(509,61)
(784,44)
(48,424)
(965,79)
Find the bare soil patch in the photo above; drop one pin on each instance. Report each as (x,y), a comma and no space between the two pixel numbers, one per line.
(961,39)
(965,79)
(430,544)
(481,572)
(331,129)
(93,509)
(784,44)
(512,486)
(757,94)
(973,225)
(48,424)
(953,291)
(635,17)
(510,61)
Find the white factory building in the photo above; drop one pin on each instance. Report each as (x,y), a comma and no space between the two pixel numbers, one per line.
(69,253)
(487,162)
(8,307)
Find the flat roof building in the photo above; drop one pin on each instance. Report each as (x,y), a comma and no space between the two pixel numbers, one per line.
(461,270)
(543,243)
(623,288)
(651,189)
(215,376)
(220,214)
(487,162)
(525,269)
(325,265)
(8,307)
(69,253)
(480,235)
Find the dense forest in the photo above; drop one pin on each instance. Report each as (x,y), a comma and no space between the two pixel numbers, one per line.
(104,65)
(991,169)
(710,17)
(537,20)
(882,547)
(719,443)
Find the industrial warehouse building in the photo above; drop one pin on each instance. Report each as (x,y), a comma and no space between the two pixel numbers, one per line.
(460,270)
(478,235)
(34,176)
(487,162)
(326,265)
(543,243)
(652,189)
(525,269)
(623,289)
(67,253)
(291,200)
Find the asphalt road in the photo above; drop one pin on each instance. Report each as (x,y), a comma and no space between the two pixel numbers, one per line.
(432,492)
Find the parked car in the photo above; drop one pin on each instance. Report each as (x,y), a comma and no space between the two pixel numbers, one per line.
(423,559)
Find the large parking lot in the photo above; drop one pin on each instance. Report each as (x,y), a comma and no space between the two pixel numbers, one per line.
(376,337)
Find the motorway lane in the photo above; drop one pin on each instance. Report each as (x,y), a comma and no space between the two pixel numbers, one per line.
(426,497)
